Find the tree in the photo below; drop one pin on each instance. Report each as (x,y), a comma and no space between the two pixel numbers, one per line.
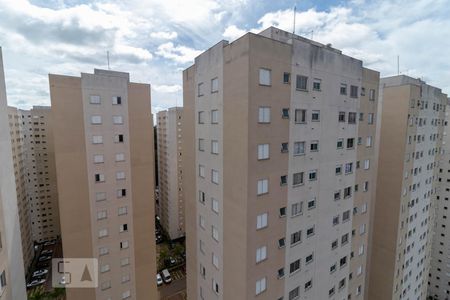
(163,257)
(178,250)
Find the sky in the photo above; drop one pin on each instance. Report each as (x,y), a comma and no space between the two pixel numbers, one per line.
(154,40)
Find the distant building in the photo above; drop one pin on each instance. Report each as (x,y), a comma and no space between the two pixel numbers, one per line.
(170,171)
(103,134)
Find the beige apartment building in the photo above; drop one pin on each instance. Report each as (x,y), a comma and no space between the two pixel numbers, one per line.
(103,134)
(412,126)
(12,275)
(170,172)
(439,277)
(279,169)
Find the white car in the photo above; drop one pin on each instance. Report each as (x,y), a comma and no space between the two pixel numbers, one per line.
(166,276)
(159,280)
(40,272)
(44,258)
(35,282)
(47,251)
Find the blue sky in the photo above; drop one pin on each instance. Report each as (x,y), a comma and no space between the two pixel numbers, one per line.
(155,40)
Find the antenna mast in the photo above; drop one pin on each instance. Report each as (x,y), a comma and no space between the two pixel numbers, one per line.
(295,10)
(107,58)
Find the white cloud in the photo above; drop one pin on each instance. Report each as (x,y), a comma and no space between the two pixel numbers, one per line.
(164,35)
(179,54)
(167,88)
(232,32)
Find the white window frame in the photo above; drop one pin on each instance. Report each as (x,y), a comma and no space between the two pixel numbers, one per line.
(262,221)
(263,151)
(265,77)
(262,186)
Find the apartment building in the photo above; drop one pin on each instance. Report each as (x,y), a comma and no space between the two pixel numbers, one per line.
(279,169)
(439,276)
(170,172)
(412,126)
(12,275)
(103,135)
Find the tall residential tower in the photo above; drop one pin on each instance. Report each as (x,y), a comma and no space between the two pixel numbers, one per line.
(103,134)
(279,153)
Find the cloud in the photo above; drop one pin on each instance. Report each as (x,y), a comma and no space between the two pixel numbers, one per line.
(179,54)
(167,88)
(164,35)
(232,32)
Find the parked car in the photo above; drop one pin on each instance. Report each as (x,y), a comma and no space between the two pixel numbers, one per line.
(159,280)
(166,276)
(45,258)
(39,272)
(49,243)
(47,251)
(35,282)
(43,265)
(159,239)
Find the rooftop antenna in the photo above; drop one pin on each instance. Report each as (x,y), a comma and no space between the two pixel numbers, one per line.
(398,64)
(295,10)
(107,57)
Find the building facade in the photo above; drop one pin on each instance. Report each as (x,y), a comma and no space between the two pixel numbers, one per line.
(279,177)
(12,275)
(103,134)
(412,125)
(170,172)
(439,280)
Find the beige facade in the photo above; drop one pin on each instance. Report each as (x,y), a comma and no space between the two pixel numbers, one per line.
(12,275)
(411,134)
(279,158)
(103,138)
(439,280)
(170,171)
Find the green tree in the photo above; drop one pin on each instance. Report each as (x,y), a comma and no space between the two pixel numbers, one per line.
(163,256)
(178,250)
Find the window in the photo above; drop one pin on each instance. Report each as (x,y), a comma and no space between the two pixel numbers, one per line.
(343,261)
(313,175)
(263,151)
(201,171)
(334,244)
(309,258)
(280,273)
(299,148)
(214,147)
(263,186)
(103,251)
(96,120)
(215,286)
(283,180)
(281,242)
(260,285)
(126,294)
(310,231)
(116,100)
(100,196)
(296,237)
(353,91)
(350,143)
(369,141)
(264,114)
(312,203)
(335,220)
(338,170)
(361,116)
(351,118)
(340,143)
(348,168)
(261,221)
(121,193)
(214,85)
(371,94)
(264,77)
(200,89)
(118,138)
(215,176)
(362,229)
(300,116)
(341,283)
(99,178)
(348,192)
(215,260)
(102,214)
(286,77)
(337,195)
(370,118)
(98,158)
(285,113)
(103,233)
(201,145)
(346,216)
(120,157)
(317,84)
(122,210)
(124,261)
(201,117)
(120,175)
(125,278)
(294,266)
(294,294)
(117,120)
(302,83)
(97,139)
(296,209)
(297,178)
(282,211)
(343,89)
(315,116)
(124,245)
(366,164)
(215,205)
(214,116)
(201,221)
(104,268)
(261,254)
(341,116)
(308,285)
(105,285)
(215,233)
(123,228)
(314,147)
(94,99)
